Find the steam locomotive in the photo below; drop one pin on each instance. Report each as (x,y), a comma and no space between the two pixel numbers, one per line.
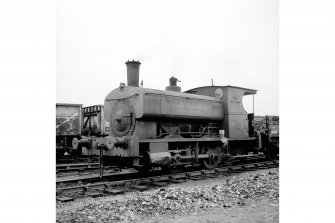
(168,128)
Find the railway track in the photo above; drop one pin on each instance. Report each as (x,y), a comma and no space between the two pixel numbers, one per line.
(77,159)
(72,188)
(69,167)
(77,164)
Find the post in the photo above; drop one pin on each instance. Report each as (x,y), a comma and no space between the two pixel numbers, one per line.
(101,166)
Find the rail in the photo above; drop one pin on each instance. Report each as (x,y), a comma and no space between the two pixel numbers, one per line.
(93,186)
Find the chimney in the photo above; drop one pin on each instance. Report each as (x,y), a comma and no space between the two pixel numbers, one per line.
(133,73)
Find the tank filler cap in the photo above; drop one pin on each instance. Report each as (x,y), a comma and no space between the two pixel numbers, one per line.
(122,85)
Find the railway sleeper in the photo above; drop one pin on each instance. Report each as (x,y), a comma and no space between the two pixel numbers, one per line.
(176,181)
(258,165)
(195,178)
(221,170)
(210,176)
(178,177)
(158,184)
(263,167)
(194,174)
(117,183)
(142,181)
(96,187)
(159,178)
(234,168)
(65,199)
(78,190)
(139,187)
(114,191)
(272,163)
(249,166)
(93,194)
(208,172)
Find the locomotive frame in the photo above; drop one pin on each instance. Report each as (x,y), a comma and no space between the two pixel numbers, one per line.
(169,129)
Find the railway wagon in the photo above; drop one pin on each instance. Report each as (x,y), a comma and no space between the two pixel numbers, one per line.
(270,138)
(94,126)
(75,122)
(94,123)
(150,127)
(68,126)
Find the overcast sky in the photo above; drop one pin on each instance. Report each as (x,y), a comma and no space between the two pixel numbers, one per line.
(234,42)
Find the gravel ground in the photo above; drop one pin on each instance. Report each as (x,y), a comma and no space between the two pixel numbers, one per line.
(245,197)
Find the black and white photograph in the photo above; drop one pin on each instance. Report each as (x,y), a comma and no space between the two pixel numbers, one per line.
(167,111)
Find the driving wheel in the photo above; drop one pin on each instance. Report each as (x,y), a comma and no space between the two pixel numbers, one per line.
(214,157)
